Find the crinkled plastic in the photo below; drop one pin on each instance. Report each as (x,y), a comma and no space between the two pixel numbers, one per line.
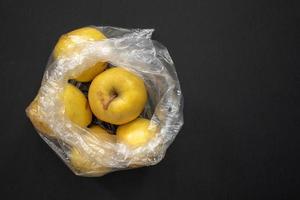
(131,49)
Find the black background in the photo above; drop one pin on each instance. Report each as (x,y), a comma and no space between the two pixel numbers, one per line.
(238,64)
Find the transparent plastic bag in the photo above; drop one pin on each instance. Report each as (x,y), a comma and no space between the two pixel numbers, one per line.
(130,49)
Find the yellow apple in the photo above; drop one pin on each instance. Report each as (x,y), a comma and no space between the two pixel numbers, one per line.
(34,115)
(76,106)
(136,133)
(68,44)
(102,134)
(81,162)
(90,73)
(117,96)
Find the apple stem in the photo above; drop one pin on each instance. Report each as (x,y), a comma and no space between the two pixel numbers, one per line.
(111,98)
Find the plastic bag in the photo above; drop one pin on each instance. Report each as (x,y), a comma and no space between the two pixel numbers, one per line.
(130,49)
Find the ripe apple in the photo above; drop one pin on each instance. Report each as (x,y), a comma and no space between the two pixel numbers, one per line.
(136,133)
(68,43)
(102,134)
(117,96)
(34,114)
(76,106)
(81,162)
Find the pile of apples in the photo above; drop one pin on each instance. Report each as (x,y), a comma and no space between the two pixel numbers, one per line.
(115,96)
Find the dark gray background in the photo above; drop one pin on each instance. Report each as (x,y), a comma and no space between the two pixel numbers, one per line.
(238,64)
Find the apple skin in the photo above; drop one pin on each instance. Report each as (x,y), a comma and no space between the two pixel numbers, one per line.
(81,162)
(67,44)
(90,73)
(117,96)
(34,114)
(136,133)
(102,134)
(76,106)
